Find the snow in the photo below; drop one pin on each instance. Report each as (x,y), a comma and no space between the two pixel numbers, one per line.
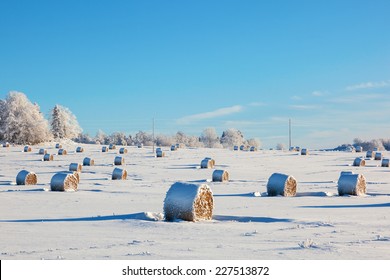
(122,219)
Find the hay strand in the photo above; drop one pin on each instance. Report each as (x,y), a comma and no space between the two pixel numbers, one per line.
(64,182)
(123,151)
(281,184)
(62,152)
(359,162)
(189,202)
(48,157)
(119,174)
(75,167)
(27,149)
(352,184)
(25,177)
(220,176)
(119,161)
(88,162)
(42,151)
(79,150)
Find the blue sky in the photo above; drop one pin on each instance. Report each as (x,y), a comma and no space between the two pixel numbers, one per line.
(249,65)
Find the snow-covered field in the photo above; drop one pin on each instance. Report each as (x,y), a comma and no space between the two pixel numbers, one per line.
(123,220)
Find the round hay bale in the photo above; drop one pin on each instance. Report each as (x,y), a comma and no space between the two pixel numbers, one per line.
(64,182)
(281,184)
(62,152)
(119,174)
(76,174)
(6,145)
(378,156)
(119,161)
(359,162)
(42,151)
(48,157)
(346,173)
(207,163)
(359,149)
(160,154)
(88,162)
(173,148)
(25,177)
(140,146)
(123,151)
(352,184)
(235,148)
(189,202)
(79,150)
(220,176)
(177,145)
(253,149)
(370,154)
(304,152)
(242,148)
(104,149)
(112,147)
(385,162)
(58,146)
(75,167)
(27,149)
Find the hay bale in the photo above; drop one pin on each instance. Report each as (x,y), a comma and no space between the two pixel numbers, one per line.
(88,162)
(220,176)
(242,148)
(112,147)
(25,177)
(42,151)
(75,167)
(304,152)
(79,150)
(123,151)
(207,163)
(48,157)
(359,149)
(62,152)
(385,162)
(119,161)
(253,149)
(281,184)
(378,156)
(359,162)
(119,174)
(352,184)
(173,148)
(370,154)
(346,173)
(64,182)
(104,149)
(177,145)
(58,146)
(160,154)
(140,146)
(27,149)
(76,174)
(235,148)
(6,145)
(189,202)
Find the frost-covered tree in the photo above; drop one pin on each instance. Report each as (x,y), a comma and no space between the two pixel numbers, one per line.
(2,118)
(254,143)
(232,137)
(22,121)
(118,138)
(210,138)
(143,138)
(164,140)
(64,123)
(280,147)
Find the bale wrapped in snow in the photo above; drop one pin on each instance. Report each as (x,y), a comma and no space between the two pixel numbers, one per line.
(189,202)
(42,151)
(79,150)
(6,145)
(119,174)
(207,163)
(242,147)
(235,148)
(48,157)
(352,184)
(27,149)
(112,147)
(359,162)
(173,148)
(292,149)
(119,161)
(64,182)
(220,176)
(385,162)
(104,149)
(62,152)
(370,154)
(123,151)
(177,145)
(75,167)
(160,154)
(88,162)
(378,156)
(346,173)
(304,152)
(58,146)
(25,177)
(253,149)
(140,146)
(281,184)
(359,149)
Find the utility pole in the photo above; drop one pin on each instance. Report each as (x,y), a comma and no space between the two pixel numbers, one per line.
(289,134)
(153,134)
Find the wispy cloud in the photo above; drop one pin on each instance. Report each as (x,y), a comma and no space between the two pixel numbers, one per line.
(368,85)
(317,93)
(303,107)
(211,115)
(359,98)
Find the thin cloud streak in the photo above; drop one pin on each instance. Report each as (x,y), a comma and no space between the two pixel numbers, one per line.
(211,115)
(368,85)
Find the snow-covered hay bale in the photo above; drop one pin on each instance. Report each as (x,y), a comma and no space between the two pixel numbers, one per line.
(42,151)
(62,152)
(104,149)
(346,173)
(48,157)
(370,154)
(6,145)
(119,161)
(27,149)
(242,148)
(207,163)
(281,184)
(378,156)
(88,162)
(123,151)
(77,167)
(79,150)
(25,177)
(359,149)
(359,162)
(119,174)
(140,146)
(112,147)
(76,174)
(385,162)
(189,202)
(304,152)
(220,176)
(235,148)
(160,154)
(64,182)
(58,146)
(173,148)
(352,184)
(253,149)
